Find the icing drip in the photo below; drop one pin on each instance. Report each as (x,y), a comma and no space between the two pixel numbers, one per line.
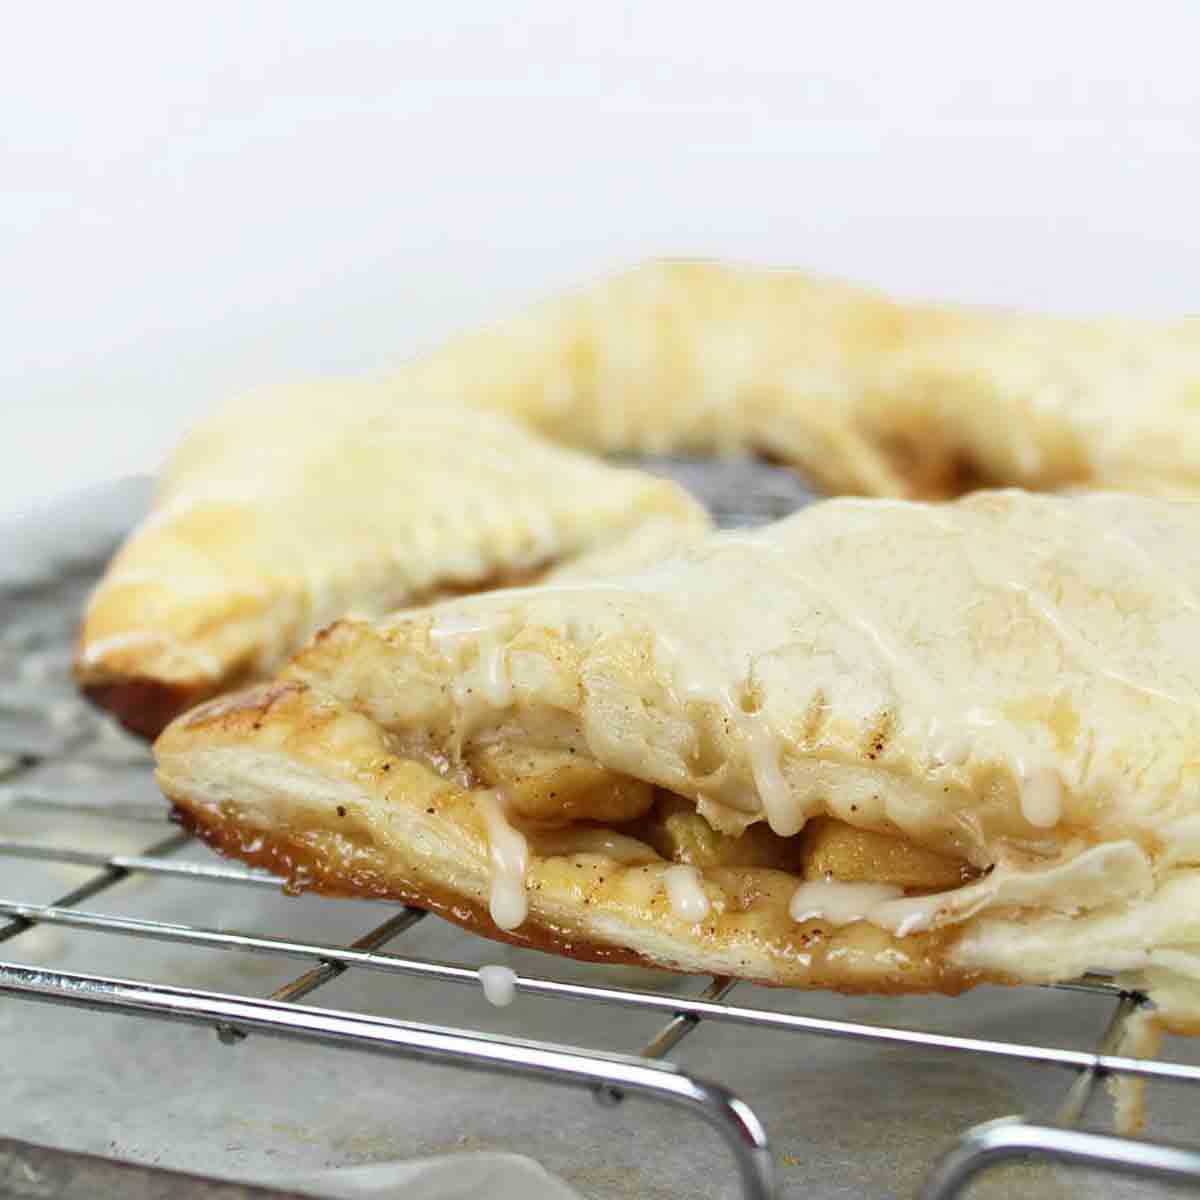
(784,815)
(691,680)
(491,679)
(585,840)
(497,685)
(1040,788)
(1041,797)
(949,737)
(948,747)
(499,985)
(686,894)
(839,903)
(448,625)
(509,852)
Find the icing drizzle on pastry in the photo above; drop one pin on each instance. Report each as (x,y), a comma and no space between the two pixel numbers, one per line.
(509,854)
(686,894)
(1041,793)
(990,571)
(590,840)
(936,710)
(693,679)
(950,739)
(839,903)
(497,683)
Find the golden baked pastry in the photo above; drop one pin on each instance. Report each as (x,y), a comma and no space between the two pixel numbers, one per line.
(864,394)
(306,504)
(272,520)
(882,745)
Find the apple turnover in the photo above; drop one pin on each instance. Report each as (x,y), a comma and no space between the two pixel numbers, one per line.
(863,394)
(286,510)
(322,501)
(883,745)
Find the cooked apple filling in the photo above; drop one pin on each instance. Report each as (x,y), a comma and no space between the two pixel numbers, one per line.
(556,801)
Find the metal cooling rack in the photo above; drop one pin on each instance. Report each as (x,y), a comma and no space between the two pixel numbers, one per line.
(53,735)
(610,1076)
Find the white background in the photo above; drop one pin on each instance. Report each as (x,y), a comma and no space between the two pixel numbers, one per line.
(198,197)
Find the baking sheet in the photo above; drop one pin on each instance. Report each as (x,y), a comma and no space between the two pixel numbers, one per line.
(845,1119)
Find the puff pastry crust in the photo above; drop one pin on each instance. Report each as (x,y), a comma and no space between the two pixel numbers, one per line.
(285,510)
(307,503)
(864,394)
(986,712)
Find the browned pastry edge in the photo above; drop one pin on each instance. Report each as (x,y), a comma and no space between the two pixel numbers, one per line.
(144,706)
(302,868)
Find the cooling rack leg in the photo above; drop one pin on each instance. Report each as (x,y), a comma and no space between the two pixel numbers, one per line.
(1012,1138)
(729,1116)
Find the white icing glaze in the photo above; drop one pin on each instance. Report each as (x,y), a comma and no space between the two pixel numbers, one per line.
(456,623)
(696,662)
(949,734)
(1098,876)
(686,893)
(1079,647)
(992,568)
(509,853)
(590,840)
(499,984)
(951,743)
(1041,797)
(839,903)
(487,685)
(1147,565)
(950,747)
(785,813)
(693,678)
(1039,785)
(496,684)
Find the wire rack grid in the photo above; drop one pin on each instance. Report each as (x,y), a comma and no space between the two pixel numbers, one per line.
(645,1071)
(611,1076)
